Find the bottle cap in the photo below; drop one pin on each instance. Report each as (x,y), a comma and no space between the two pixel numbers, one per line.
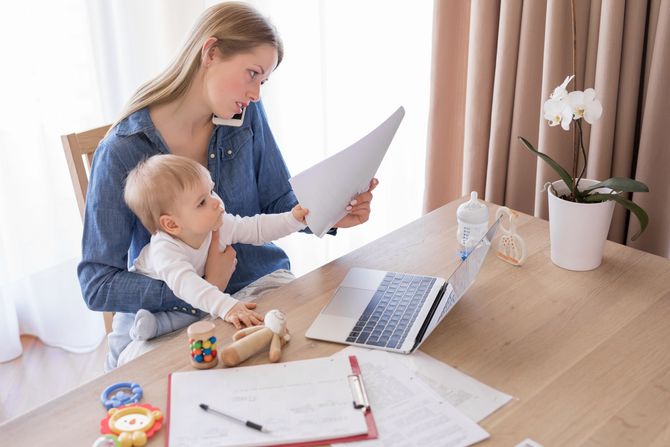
(473,212)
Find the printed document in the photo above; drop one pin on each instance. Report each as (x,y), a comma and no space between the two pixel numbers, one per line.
(407,411)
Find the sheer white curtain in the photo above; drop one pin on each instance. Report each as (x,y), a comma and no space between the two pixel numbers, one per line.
(49,88)
(348,64)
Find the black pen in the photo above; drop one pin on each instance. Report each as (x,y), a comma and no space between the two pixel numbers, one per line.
(249,424)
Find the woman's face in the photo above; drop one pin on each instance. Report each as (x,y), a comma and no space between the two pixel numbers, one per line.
(232,83)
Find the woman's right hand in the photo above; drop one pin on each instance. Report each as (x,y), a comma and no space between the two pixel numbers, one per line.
(220,265)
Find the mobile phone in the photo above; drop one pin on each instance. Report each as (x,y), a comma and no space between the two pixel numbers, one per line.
(235,121)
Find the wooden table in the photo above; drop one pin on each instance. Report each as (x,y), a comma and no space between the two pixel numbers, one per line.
(585,354)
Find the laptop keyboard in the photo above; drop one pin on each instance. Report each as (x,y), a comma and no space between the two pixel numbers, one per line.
(392,310)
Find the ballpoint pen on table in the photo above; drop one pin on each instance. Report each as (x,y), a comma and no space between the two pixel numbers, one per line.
(249,424)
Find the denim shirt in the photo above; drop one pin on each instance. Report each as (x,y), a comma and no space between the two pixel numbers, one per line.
(249,174)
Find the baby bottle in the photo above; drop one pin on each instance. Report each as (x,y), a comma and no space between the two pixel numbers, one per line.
(473,222)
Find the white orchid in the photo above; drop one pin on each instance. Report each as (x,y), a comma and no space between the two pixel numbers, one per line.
(585,105)
(558,112)
(563,108)
(561,91)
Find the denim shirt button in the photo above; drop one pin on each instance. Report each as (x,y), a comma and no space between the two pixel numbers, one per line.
(229,152)
(175,308)
(193,311)
(184,309)
(212,155)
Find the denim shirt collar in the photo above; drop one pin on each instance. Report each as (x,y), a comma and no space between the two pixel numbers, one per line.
(140,122)
(137,122)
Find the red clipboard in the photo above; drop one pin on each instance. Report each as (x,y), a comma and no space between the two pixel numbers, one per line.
(359,401)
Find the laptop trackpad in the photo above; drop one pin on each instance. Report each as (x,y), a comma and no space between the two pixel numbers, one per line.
(348,302)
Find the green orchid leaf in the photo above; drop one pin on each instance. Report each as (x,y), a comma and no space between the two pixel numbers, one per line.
(567,178)
(620,184)
(641,214)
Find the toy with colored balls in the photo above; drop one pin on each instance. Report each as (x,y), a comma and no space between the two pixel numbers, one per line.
(202,344)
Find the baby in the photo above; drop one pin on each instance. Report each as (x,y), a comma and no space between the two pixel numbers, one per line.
(173,197)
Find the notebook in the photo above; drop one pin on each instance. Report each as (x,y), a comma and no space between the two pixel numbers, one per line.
(395,311)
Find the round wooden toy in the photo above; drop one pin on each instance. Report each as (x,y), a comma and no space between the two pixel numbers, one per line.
(202,344)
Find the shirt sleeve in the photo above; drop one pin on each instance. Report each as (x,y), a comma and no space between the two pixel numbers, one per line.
(257,230)
(106,283)
(176,270)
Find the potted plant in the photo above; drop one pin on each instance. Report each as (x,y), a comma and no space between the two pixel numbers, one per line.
(580,210)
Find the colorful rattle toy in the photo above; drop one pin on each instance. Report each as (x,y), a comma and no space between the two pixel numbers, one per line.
(511,248)
(202,343)
(132,424)
(122,393)
(251,340)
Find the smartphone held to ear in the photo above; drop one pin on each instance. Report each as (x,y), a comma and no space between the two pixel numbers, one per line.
(235,121)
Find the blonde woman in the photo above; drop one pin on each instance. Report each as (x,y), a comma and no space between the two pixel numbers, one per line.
(230,53)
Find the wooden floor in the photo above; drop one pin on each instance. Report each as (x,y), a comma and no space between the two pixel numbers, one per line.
(42,373)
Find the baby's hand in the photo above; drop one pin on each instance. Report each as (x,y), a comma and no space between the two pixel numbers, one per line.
(299,213)
(241,315)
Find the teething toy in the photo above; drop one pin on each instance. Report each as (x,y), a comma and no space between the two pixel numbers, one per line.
(133,424)
(511,247)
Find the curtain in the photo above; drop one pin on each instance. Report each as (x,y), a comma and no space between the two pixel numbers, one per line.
(48,89)
(343,73)
(495,64)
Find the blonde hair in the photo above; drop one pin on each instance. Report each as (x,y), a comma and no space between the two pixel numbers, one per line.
(238,28)
(152,186)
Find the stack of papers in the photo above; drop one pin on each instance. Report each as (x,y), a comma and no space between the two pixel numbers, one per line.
(420,401)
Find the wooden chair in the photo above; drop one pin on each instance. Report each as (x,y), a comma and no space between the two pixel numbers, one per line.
(79,149)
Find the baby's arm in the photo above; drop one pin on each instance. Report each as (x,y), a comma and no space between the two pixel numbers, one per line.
(261,228)
(173,266)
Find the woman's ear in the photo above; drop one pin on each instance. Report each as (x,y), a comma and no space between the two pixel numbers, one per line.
(207,52)
(169,225)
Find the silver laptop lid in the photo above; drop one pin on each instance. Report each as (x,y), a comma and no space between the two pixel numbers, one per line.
(458,283)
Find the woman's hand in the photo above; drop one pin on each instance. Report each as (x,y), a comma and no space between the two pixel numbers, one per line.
(220,265)
(358,210)
(241,315)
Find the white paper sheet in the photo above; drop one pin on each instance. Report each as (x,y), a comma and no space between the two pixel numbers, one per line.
(407,411)
(326,188)
(475,399)
(297,401)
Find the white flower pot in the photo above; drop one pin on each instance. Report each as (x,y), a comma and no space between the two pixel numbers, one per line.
(578,231)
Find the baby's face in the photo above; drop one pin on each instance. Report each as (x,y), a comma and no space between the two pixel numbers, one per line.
(200,209)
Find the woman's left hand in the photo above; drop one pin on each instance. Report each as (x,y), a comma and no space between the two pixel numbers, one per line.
(358,210)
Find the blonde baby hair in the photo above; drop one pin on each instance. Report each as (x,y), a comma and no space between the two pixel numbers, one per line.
(238,27)
(152,186)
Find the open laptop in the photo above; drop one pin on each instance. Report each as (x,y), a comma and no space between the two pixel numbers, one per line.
(395,311)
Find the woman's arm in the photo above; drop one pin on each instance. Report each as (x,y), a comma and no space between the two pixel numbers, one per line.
(109,229)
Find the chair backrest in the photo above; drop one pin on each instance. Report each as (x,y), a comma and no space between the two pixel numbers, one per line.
(79,149)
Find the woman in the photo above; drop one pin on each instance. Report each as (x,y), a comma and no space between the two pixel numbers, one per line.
(229,54)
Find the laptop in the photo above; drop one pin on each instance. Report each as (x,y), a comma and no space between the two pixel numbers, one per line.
(395,311)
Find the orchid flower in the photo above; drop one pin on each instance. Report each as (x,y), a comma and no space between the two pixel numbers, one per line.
(558,112)
(585,105)
(561,91)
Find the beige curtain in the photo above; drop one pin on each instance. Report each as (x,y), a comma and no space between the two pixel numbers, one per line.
(494,64)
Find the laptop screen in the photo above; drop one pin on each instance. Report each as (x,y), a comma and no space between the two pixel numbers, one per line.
(466,272)
(458,283)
